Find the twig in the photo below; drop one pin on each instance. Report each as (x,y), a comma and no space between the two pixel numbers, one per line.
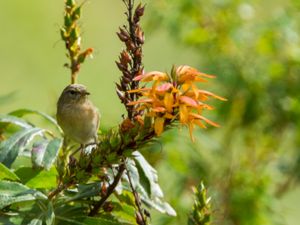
(59,189)
(109,191)
(140,216)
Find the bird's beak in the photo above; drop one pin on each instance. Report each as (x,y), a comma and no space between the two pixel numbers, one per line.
(85,93)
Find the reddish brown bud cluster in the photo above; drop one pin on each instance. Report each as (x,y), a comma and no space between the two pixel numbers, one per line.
(130,59)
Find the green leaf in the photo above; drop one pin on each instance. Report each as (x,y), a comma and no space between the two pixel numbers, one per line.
(45,152)
(148,176)
(38,152)
(37,178)
(51,152)
(126,197)
(50,216)
(41,212)
(10,148)
(98,221)
(141,173)
(44,179)
(13,192)
(68,221)
(65,211)
(159,205)
(86,191)
(87,221)
(23,112)
(125,213)
(6,173)
(36,222)
(27,173)
(14,120)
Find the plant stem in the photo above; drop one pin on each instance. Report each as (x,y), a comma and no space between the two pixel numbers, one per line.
(59,189)
(110,190)
(137,200)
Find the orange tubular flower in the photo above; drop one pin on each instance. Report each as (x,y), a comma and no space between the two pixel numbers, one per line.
(175,97)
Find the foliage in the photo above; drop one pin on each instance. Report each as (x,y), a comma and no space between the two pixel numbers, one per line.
(253,47)
(201,211)
(43,181)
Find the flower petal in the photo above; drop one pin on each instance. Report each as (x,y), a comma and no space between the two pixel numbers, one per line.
(191,127)
(183,114)
(199,123)
(196,116)
(138,90)
(145,100)
(169,116)
(190,70)
(168,101)
(159,125)
(188,101)
(159,109)
(164,87)
(154,75)
(211,94)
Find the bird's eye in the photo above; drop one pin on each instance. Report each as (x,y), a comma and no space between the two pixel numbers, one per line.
(72,92)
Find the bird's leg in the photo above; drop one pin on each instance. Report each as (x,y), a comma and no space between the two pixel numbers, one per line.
(82,147)
(96,139)
(78,149)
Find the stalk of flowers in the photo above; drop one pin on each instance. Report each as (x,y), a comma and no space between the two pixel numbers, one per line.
(175,97)
(70,34)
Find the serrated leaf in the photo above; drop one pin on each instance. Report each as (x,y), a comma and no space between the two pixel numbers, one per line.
(51,152)
(13,192)
(14,120)
(23,112)
(10,148)
(6,173)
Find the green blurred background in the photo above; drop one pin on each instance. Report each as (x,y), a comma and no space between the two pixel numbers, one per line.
(251,164)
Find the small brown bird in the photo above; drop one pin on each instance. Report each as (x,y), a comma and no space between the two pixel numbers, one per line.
(77,115)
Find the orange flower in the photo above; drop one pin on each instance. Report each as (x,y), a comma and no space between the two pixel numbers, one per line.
(152,76)
(175,97)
